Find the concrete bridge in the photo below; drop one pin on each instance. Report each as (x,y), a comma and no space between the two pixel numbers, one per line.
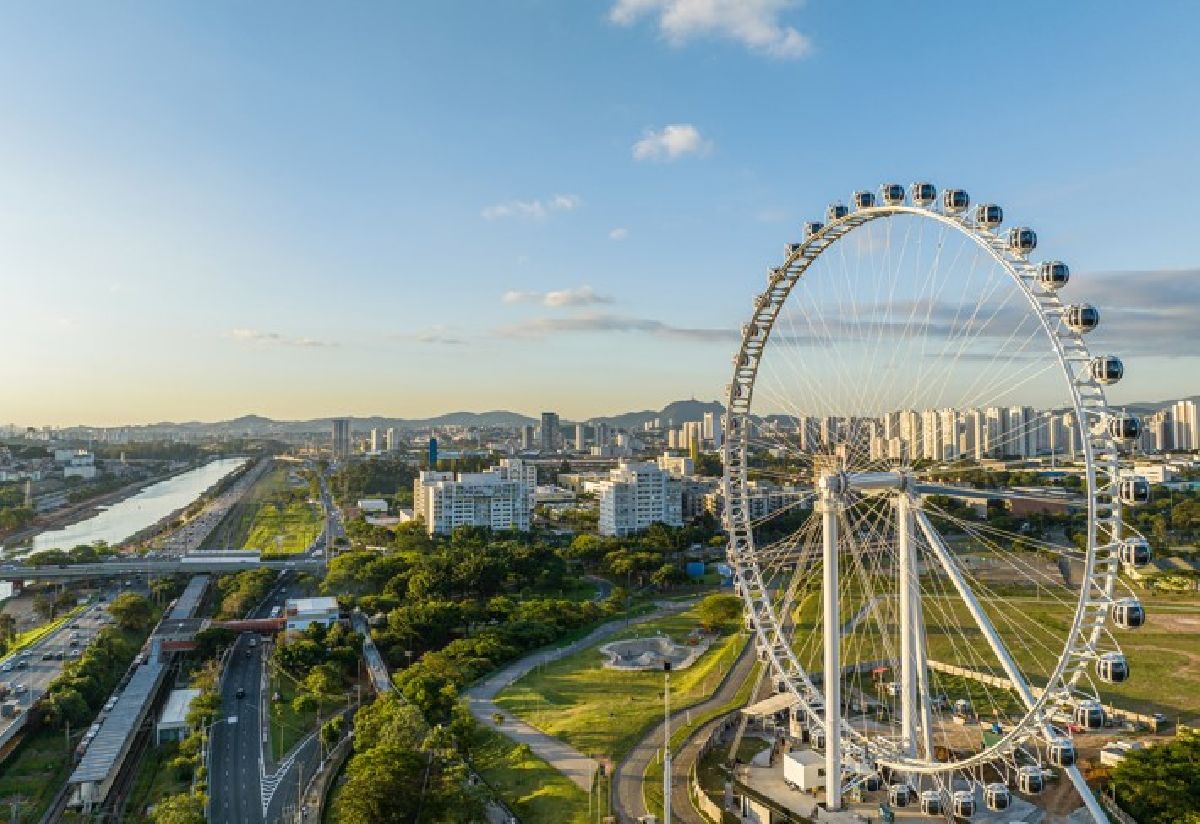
(190,565)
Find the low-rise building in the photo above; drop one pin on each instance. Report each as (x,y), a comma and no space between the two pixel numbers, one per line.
(172,722)
(301,613)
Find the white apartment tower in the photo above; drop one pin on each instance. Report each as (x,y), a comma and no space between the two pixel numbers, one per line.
(636,495)
(500,498)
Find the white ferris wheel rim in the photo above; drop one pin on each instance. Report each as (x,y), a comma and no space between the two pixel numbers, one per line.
(1087,402)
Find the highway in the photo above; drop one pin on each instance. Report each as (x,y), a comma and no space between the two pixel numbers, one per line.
(245,784)
(33,673)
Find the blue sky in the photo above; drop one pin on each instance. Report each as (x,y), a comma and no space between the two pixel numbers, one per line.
(294,209)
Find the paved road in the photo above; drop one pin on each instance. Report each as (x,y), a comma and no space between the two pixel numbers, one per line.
(560,755)
(33,673)
(628,776)
(245,783)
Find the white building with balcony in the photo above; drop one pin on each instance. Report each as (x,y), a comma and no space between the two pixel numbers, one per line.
(636,495)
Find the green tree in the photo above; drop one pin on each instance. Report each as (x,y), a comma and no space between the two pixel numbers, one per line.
(184,808)
(719,609)
(131,611)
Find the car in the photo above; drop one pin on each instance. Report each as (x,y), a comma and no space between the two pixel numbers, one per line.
(241,692)
(47,656)
(22,664)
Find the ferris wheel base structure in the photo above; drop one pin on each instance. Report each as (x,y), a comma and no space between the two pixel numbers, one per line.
(877,532)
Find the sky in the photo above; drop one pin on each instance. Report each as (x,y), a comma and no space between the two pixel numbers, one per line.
(308,209)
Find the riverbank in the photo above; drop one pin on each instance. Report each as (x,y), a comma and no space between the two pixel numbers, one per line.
(75,513)
(142,511)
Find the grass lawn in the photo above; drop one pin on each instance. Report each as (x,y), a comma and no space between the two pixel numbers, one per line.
(600,711)
(536,792)
(1164,655)
(34,772)
(274,516)
(155,781)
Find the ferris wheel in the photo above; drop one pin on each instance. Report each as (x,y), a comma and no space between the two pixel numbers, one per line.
(923,494)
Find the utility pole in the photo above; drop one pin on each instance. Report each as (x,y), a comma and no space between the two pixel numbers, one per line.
(666,742)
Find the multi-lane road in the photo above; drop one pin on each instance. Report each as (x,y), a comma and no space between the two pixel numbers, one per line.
(244,782)
(30,673)
(246,785)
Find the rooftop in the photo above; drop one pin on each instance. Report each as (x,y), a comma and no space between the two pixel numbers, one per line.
(325,604)
(104,753)
(174,714)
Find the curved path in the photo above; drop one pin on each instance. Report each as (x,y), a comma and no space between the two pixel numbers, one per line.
(628,777)
(560,755)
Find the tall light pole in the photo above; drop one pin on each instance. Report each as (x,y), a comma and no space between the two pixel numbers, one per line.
(666,742)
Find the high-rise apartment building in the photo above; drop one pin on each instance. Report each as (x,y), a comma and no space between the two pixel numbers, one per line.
(341,438)
(500,498)
(1186,425)
(580,437)
(377,440)
(527,439)
(636,495)
(549,431)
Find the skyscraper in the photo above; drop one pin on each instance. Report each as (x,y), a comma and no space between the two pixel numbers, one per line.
(549,431)
(527,436)
(580,436)
(341,438)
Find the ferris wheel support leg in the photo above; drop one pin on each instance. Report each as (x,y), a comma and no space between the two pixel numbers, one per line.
(833,662)
(907,577)
(1001,652)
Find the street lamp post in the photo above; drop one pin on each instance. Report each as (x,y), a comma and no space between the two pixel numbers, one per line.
(666,742)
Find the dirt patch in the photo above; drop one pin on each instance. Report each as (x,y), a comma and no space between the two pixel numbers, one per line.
(1174,622)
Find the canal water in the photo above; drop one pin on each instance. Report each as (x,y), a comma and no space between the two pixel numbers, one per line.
(118,522)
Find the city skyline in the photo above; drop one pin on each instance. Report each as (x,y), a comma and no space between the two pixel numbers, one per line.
(365,204)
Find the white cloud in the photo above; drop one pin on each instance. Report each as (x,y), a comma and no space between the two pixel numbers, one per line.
(672,142)
(579,296)
(537,209)
(603,323)
(257,336)
(619,233)
(753,23)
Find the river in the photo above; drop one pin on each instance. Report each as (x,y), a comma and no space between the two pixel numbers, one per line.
(119,521)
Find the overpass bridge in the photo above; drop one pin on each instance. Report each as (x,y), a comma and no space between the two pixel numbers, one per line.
(187,565)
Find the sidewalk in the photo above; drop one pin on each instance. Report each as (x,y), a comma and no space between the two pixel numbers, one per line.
(560,755)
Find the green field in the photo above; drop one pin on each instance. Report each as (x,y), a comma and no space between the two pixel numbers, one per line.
(274,516)
(1164,655)
(536,792)
(600,711)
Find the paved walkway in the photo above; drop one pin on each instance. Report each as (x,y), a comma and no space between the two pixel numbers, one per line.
(629,774)
(560,755)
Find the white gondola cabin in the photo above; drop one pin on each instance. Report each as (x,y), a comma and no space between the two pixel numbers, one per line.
(1125,427)
(1053,274)
(1128,613)
(1030,780)
(864,200)
(923,194)
(988,215)
(836,211)
(1022,240)
(996,797)
(900,795)
(1089,715)
(962,803)
(1082,317)
(1061,752)
(1135,490)
(892,194)
(931,802)
(1112,668)
(1107,369)
(955,201)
